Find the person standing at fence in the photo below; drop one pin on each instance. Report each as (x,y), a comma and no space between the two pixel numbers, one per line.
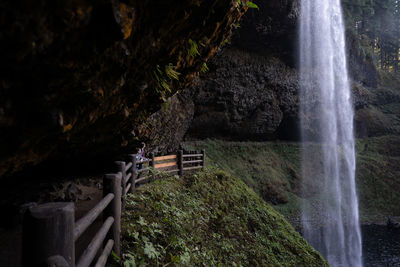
(140,154)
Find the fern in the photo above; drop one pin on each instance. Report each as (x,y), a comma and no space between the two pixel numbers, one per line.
(129,260)
(204,68)
(150,251)
(193,49)
(171,73)
(245,3)
(161,83)
(251,5)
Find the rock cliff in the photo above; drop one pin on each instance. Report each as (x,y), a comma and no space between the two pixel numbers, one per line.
(251,90)
(245,96)
(78,77)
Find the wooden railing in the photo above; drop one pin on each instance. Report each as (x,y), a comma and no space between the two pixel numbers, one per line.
(50,230)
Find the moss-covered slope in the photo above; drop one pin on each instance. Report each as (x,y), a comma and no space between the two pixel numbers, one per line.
(209,219)
(378,173)
(273,170)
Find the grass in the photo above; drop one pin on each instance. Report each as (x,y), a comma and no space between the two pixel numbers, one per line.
(209,219)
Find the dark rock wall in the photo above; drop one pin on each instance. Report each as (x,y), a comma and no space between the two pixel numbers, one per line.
(78,76)
(270,30)
(245,96)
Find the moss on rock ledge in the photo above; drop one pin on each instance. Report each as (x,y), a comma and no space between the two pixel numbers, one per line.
(209,219)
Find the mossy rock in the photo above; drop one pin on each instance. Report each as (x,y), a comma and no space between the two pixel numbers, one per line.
(208,219)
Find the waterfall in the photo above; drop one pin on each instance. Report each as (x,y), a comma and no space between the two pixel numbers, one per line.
(330,211)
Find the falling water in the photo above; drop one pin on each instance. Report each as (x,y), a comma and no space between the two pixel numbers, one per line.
(330,216)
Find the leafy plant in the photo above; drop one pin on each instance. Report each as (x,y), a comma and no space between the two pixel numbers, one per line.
(162,79)
(115,256)
(245,3)
(150,251)
(129,260)
(204,68)
(193,49)
(251,5)
(161,82)
(171,72)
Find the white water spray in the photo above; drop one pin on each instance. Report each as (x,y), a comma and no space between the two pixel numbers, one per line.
(330,217)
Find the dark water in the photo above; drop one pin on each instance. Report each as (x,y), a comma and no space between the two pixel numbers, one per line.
(381,247)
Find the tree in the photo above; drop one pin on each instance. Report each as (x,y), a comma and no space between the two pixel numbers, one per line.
(379,22)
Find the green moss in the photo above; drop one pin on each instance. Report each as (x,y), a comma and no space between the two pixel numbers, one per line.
(273,170)
(270,169)
(378,169)
(209,219)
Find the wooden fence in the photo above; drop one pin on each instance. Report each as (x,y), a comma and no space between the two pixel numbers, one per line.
(50,230)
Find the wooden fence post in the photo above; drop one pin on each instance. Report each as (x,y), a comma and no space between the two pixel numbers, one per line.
(121,165)
(194,158)
(112,184)
(48,230)
(134,173)
(152,163)
(180,162)
(203,151)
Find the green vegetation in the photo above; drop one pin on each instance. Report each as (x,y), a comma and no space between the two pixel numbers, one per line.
(204,68)
(208,219)
(378,170)
(273,171)
(163,78)
(270,169)
(171,73)
(246,3)
(161,83)
(193,49)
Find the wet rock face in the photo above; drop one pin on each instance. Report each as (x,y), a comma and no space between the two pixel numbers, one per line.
(271,30)
(251,89)
(245,96)
(79,76)
(361,69)
(165,129)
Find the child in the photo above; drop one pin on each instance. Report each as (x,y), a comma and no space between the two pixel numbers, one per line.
(140,155)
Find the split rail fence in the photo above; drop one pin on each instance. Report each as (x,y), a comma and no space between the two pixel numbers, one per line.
(50,230)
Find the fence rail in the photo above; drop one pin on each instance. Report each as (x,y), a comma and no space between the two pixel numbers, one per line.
(50,230)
